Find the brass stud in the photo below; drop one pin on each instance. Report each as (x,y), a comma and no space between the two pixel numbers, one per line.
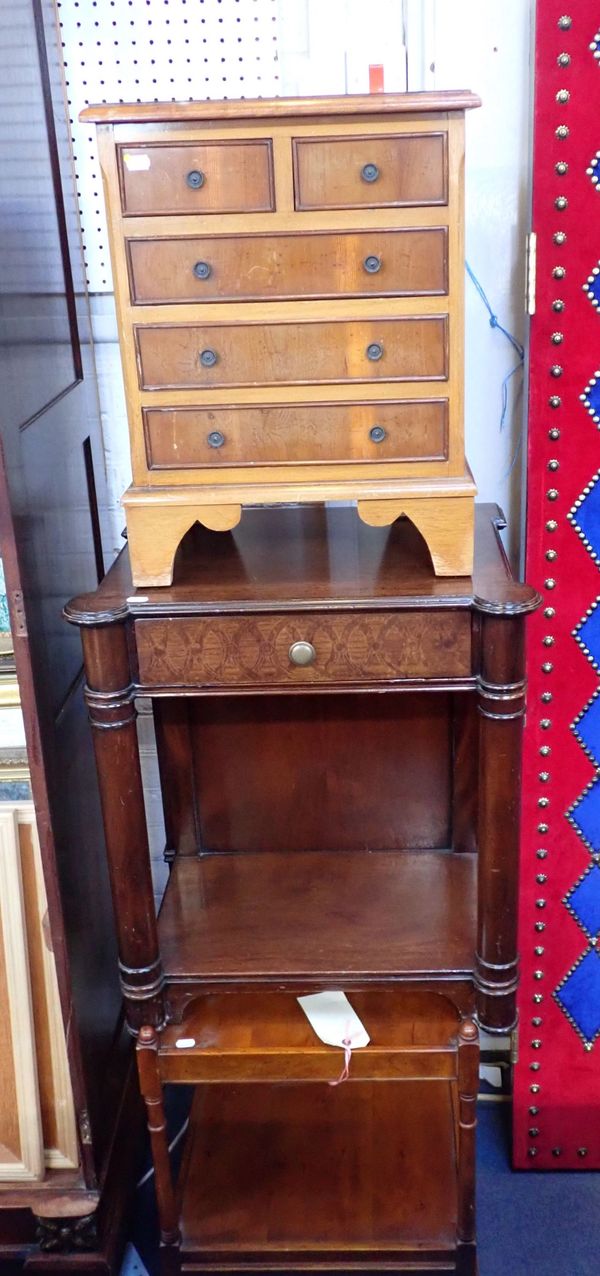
(540,903)
(542,854)
(536,1023)
(562,132)
(564,59)
(552,494)
(582,1152)
(547,666)
(546,723)
(565,22)
(543,801)
(539,951)
(549,612)
(534,1089)
(559,272)
(550,583)
(561,202)
(558,305)
(553,465)
(532,1151)
(544,777)
(540,926)
(554,434)
(563,95)
(557,338)
(551,555)
(556,1151)
(541,878)
(535,1067)
(560,236)
(551,525)
(533,1132)
(556,370)
(543,828)
(554,401)
(545,753)
(561,168)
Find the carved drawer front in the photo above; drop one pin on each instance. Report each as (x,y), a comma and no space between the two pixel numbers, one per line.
(370,172)
(178,356)
(244,267)
(177,438)
(251,651)
(196,177)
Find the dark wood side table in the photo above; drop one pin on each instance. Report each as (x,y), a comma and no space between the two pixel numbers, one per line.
(339,744)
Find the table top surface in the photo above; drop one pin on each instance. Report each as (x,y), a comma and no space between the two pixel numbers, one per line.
(301,557)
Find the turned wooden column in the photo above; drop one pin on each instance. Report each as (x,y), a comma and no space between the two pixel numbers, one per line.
(109,697)
(501,705)
(468,1085)
(152,1094)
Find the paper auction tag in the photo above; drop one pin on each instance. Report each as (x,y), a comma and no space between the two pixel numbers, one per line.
(136,161)
(335,1022)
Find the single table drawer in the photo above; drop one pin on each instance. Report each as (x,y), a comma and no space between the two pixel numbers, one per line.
(376,263)
(371,172)
(178,356)
(253,651)
(196,177)
(178,438)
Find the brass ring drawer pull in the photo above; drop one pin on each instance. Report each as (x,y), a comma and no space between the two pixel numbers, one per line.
(195,179)
(372,264)
(202,270)
(302,653)
(375,351)
(377,434)
(369,172)
(215,438)
(208,358)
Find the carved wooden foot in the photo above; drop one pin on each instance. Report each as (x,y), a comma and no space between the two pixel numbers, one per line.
(445,523)
(155,531)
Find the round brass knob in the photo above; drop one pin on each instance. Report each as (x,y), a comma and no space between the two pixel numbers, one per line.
(215,438)
(375,351)
(302,653)
(377,434)
(372,264)
(202,270)
(195,179)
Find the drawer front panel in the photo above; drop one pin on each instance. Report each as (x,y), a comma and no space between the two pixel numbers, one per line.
(196,177)
(246,267)
(371,172)
(190,437)
(178,357)
(252,651)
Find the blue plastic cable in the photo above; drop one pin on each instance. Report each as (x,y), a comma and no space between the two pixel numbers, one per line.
(516,345)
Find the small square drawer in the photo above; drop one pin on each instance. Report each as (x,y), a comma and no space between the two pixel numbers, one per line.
(288,650)
(178,356)
(196,177)
(376,263)
(371,172)
(261,434)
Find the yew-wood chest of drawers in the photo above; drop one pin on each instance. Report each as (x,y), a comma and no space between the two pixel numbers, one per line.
(289,279)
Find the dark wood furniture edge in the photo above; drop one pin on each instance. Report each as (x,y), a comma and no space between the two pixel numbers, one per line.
(282,108)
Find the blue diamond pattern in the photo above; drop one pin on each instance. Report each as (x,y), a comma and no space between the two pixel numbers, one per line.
(592,287)
(579,996)
(584,815)
(591,397)
(586,729)
(585,517)
(593,172)
(587,635)
(583,902)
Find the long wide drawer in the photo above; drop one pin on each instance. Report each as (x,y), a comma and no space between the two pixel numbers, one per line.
(178,356)
(371,172)
(409,430)
(376,263)
(196,177)
(252,651)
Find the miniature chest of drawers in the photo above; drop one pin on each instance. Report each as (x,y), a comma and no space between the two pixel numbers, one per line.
(289,287)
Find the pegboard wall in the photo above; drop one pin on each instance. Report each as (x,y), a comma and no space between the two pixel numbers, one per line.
(161,51)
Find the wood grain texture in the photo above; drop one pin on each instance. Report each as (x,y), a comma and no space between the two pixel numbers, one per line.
(54,1082)
(283,107)
(180,438)
(332,916)
(411,169)
(282,771)
(21,1141)
(267,1037)
(285,267)
(316,556)
(233,177)
(313,352)
(257,650)
(314,1172)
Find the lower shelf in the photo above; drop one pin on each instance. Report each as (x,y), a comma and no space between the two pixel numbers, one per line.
(358,1175)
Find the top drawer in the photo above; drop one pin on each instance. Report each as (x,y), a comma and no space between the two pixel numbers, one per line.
(197,177)
(370,172)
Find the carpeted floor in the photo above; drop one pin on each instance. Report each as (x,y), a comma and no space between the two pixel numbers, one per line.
(529,1224)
